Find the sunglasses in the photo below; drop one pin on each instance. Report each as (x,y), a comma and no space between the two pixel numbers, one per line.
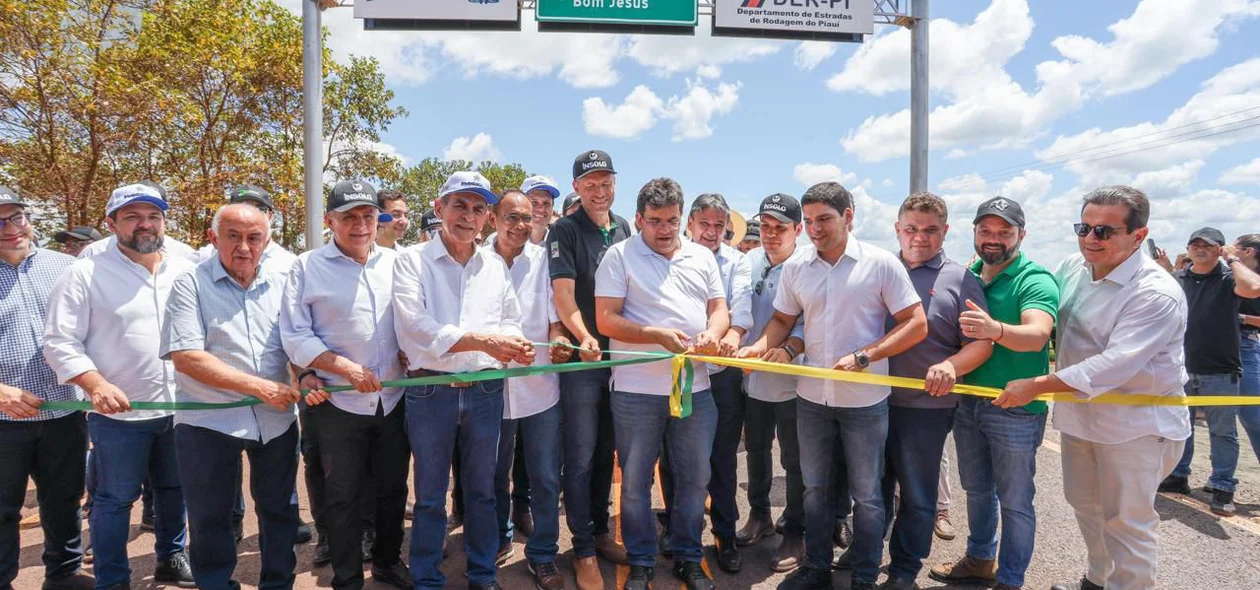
(762,283)
(1102,232)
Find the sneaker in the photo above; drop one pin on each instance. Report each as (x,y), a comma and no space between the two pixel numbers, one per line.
(546,577)
(844,533)
(807,578)
(945,530)
(967,570)
(753,531)
(174,570)
(1223,503)
(1175,484)
(640,578)
(693,576)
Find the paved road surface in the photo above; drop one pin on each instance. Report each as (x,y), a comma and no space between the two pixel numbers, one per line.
(1197,550)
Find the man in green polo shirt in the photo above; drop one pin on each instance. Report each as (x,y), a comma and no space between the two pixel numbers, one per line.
(997,448)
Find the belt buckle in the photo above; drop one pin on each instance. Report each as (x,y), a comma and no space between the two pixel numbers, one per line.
(460,384)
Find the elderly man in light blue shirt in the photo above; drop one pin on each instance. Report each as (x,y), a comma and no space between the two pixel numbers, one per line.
(222,333)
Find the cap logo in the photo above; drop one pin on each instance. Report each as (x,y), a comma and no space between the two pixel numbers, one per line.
(593,156)
(470,183)
(776,198)
(357,197)
(775,207)
(1000,204)
(356,186)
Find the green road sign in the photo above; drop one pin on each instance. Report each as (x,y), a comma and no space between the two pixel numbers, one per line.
(631,12)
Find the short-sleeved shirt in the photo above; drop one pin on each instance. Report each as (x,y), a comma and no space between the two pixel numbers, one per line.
(1212,330)
(659,292)
(844,307)
(526,396)
(944,286)
(23,308)
(210,312)
(575,247)
(1021,286)
(764,385)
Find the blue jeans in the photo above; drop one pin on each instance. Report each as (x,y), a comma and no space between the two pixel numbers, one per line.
(437,416)
(1250,386)
(1222,428)
(540,439)
(997,460)
(124,452)
(588,455)
(916,440)
(764,421)
(864,432)
(205,455)
(642,421)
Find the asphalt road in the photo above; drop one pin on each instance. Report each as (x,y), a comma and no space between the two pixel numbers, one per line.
(1197,549)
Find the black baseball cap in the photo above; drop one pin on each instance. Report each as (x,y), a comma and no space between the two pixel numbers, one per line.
(592,161)
(429,221)
(1001,207)
(10,197)
(753,233)
(249,192)
(348,194)
(782,207)
(1208,234)
(570,201)
(81,232)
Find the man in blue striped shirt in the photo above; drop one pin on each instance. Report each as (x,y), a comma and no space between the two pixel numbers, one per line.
(49,446)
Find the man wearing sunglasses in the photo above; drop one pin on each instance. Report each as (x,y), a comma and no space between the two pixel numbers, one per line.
(1215,284)
(997,446)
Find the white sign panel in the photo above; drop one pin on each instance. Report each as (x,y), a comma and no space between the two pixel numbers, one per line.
(807,16)
(457,10)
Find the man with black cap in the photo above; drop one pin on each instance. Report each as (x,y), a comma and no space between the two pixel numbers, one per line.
(752,238)
(75,239)
(571,203)
(1215,284)
(997,448)
(575,247)
(337,323)
(46,446)
(430,225)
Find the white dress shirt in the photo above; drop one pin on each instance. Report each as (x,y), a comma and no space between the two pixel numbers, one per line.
(106,314)
(334,303)
(737,283)
(526,396)
(171,245)
(659,292)
(274,259)
(844,307)
(437,301)
(1121,334)
(764,385)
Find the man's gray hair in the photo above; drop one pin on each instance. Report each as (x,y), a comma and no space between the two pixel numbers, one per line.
(660,192)
(214,223)
(1119,194)
(708,201)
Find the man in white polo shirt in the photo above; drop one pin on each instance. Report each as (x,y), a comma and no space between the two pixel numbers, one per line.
(845,289)
(658,292)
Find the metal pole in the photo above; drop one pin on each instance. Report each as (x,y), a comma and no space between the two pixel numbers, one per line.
(919,97)
(313,122)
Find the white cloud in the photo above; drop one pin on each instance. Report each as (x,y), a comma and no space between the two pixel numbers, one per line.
(809,174)
(964,183)
(668,55)
(692,113)
(1030,185)
(709,71)
(625,121)
(811,53)
(475,149)
(1169,182)
(888,183)
(1248,173)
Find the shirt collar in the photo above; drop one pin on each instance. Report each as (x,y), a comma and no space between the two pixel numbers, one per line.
(331,250)
(218,273)
(852,249)
(1123,274)
(439,251)
(29,256)
(583,218)
(682,252)
(935,263)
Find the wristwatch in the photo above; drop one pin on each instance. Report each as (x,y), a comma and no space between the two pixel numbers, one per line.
(1231,260)
(861,358)
(791,352)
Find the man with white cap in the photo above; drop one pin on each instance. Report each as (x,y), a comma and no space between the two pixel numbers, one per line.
(456,312)
(103,332)
(542,194)
(337,322)
(170,245)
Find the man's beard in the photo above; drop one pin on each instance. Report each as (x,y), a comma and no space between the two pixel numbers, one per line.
(146,244)
(999,257)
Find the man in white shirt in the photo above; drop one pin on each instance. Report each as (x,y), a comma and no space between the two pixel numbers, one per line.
(542,193)
(658,292)
(844,288)
(531,405)
(338,323)
(456,311)
(170,245)
(1121,324)
(104,328)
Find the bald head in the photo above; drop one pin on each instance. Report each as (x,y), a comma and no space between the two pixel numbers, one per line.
(513,221)
(242,214)
(240,232)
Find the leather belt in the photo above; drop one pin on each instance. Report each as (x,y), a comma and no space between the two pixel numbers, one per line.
(427,373)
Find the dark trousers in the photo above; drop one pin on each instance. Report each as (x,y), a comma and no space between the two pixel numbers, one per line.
(762,422)
(53,453)
(353,449)
(588,455)
(728,395)
(314,480)
(916,440)
(520,478)
(204,456)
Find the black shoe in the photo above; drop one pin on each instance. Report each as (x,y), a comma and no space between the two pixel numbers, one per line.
(146,520)
(455,521)
(893,583)
(807,578)
(640,578)
(506,551)
(693,576)
(369,544)
(754,530)
(491,585)
(844,561)
(303,534)
(1084,584)
(523,522)
(662,542)
(780,523)
(1223,503)
(396,575)
(174,570)
(844,534)
(1175,484)
(728,558)
(238,531)
(321,556)
(76,581)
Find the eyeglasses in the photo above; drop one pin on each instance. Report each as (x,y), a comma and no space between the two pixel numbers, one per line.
(1102,232)
(666,223)
(514,219)
(17,219)
(765,272)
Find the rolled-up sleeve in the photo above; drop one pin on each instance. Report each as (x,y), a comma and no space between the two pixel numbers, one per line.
(297,330)
(1142,331)
(66,328)
(741,295)
(419,334)
(184,329)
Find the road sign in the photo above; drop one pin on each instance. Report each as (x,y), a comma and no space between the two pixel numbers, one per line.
(439,14)
(841,20)
(680,13)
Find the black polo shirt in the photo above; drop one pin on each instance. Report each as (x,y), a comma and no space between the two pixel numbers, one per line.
(1212,330)
(576,246)
(1249,307)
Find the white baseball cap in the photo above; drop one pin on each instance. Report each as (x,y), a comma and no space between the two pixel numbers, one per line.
(534,183)
(135,193)
(469,181)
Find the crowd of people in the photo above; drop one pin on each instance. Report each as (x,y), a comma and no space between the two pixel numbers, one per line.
(140,317)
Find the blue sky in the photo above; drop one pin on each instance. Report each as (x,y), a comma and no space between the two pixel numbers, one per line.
(1016,84)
